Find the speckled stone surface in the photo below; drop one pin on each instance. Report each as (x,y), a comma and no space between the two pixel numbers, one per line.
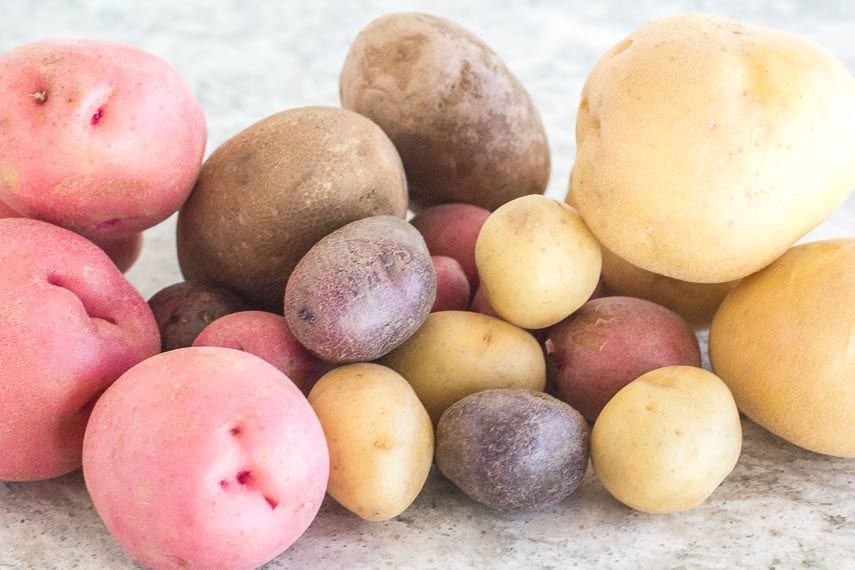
(781,508)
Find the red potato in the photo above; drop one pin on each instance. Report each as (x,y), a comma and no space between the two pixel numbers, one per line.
(452,286)
(205,458)
(100,138)
(267,336)
(70,324)
(608,343)
(451,230)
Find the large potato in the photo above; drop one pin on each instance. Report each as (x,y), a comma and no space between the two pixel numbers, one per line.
(783,341)
(379,436)
(537,260)
(707,147)
(466,128)
(667,440)
(272,191)
(457,353)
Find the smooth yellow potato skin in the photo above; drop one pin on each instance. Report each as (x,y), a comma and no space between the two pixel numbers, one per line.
(537,261)
(707,147)
(667,440)
(379,436)
(458,353)
(784,341)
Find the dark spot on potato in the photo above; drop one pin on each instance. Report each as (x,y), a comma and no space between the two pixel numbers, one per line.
(306,315)
(97,116)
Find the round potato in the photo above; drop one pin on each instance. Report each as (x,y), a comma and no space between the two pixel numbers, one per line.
(457,353)
(707,147)
(466,128)
(379,436)
(268,194)
(537,261)
(783,341)
(667,440)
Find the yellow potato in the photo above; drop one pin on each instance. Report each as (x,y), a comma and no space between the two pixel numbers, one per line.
(379,436)
(458,353)
(784,341)
(537,261)
(707,147)
(667,440)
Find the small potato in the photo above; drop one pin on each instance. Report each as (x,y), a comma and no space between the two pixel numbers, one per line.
(513,449)
(379,436)
(537,261)
(452,287)
(610,342)
(183,310)
(361,291)
(667,440)
(451,230)
(457,353)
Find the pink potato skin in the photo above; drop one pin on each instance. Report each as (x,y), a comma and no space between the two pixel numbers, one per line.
(70,324)
(205,457)
(451,230)
(100,138)
(452,286)
(608,343)
(267,336)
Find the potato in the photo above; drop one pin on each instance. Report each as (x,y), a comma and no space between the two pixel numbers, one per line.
(268,194)
(380,439)
(361,291)
(184,309)
(268,337)
(667,440)
(205,458)
(610,342)
(457,353)
(466,128)
(451,230)
(70,324)
(783,342)
(100,138)
(513,449)
(537,261)
(452,287)
(707,147)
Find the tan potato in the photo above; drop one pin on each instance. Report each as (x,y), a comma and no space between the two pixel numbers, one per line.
(379,436)
(537,260)
(783,341)
(458,353)
(667,440)
(466,128)
(707,147)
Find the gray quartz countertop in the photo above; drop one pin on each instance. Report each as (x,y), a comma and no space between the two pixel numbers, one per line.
(782,507)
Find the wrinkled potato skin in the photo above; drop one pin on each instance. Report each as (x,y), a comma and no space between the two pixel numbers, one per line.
(380,439)
(707,147)
(667,440)
(457,353)
(466,128)
(782,341)
(537,260)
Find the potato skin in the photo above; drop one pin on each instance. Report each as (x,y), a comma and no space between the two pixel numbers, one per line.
(751,148)
(466,128)
(380,439)
(361,291)
(269,193)
(513,449)
(782,341)
(537,260)
(608,343)
(452,287)
(457,353)
(667,440)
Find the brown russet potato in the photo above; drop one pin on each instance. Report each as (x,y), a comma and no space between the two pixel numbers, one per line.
(466,128)
(270,192)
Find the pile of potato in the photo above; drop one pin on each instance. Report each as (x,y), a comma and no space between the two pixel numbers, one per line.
(323,344)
